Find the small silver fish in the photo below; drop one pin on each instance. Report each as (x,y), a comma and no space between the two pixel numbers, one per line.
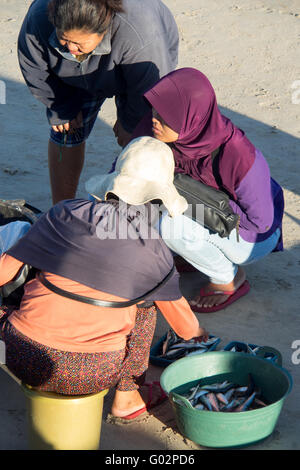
(194,390)
(219,387)
(230,405)
(206,402)
(245,404)
(259,402)
(186,345)
(173,354)
(249,350)
(199,394)
(222,398)
(241,390)
(226,396)
(229,393)
(170,339)
(199,406)
(213,401)
(193,353)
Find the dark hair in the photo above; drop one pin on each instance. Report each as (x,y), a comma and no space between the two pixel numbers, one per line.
(89,15)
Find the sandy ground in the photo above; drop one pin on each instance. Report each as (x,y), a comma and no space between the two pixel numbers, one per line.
(250,52)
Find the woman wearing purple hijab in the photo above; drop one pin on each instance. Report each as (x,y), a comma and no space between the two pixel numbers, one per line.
(186,116)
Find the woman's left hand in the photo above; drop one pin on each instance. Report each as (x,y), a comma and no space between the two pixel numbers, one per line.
(202,335)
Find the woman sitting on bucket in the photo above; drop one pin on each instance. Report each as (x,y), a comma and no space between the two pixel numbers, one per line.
(102,250)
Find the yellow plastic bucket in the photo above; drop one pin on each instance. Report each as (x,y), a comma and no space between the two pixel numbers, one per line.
(63,422)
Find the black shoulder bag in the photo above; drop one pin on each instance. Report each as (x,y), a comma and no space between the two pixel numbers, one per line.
(12,210)
(218,215)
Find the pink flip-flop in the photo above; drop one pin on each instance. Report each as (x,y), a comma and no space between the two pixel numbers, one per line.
(233,296)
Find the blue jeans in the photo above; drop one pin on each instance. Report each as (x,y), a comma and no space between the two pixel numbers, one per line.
(214,256)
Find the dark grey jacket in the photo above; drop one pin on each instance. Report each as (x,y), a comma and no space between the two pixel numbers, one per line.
(140,46)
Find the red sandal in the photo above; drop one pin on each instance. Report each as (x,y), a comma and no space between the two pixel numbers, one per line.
(233,297)
(111,419)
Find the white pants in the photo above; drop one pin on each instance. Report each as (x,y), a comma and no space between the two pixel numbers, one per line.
(214,256)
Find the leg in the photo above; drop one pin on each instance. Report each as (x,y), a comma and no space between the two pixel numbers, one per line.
(212,294)
(127,398)
(240,253)
(65,166)
(66,159)
(218,258)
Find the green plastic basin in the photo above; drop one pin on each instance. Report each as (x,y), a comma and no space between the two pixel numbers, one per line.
(225,429)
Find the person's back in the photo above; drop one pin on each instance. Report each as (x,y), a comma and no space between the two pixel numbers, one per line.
(103,251)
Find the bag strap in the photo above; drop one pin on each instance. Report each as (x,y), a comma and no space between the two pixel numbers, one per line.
(215,169)
(214,165)
(18,281)
(101,303)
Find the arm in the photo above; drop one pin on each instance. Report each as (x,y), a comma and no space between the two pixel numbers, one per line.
(181,318)
(254,198)
(62,101)
(149,53)
(138,77)
(144,128)
(9,267)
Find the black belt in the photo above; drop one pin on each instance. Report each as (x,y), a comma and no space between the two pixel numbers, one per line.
(102,303)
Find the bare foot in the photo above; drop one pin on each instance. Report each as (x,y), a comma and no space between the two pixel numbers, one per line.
(126,403)
(217,299)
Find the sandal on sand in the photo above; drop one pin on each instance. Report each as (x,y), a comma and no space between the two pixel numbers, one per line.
(233,296)
(111,419)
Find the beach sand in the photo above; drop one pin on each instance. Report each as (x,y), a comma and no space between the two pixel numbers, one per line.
(250,53)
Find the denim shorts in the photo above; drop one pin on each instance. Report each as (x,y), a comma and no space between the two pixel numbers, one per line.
(90,110)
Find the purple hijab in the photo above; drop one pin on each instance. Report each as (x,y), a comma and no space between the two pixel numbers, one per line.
(103,245)
(186,101)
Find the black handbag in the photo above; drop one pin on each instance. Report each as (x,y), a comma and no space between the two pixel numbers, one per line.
(17,209)
(217,214)
(12,210)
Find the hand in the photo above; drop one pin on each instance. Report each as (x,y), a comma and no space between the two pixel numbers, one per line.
(70,126)
(122,136)
(202,335)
